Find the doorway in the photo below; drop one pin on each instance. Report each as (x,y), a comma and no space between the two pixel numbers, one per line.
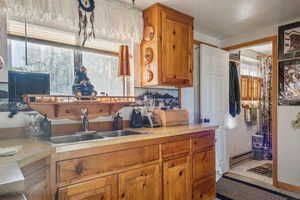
(253,134)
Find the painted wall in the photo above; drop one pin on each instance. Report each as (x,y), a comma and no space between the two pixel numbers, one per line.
(288,146)
(288,138)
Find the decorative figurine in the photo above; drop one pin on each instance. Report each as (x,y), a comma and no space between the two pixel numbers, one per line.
(82,85)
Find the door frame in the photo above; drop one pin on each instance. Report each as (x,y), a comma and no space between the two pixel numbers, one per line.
(274,40)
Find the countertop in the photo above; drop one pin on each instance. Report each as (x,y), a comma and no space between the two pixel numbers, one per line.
(32,150)
(154,134)
(35,149)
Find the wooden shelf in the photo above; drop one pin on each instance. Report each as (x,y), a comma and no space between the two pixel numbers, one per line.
(69,107)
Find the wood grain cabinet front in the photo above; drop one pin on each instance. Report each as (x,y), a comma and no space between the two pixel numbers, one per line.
(176,179)
(37,182)
(169,168)
(172,46)
(140,184)
(204,164)
(204,189)
(104,188)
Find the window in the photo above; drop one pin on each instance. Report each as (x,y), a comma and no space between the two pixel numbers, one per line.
(57,61)
(103,73)
(61,62)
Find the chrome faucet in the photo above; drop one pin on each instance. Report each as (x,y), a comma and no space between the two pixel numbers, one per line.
(84,119)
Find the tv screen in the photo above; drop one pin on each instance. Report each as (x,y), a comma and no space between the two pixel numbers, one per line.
(20,83)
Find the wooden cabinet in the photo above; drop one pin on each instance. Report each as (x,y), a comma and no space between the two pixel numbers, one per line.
(98,189)
(172,47)
(177,182)
(168,168)
(37,182)
(70,171)
(143,183)
(204,189)
(203,164)
(250,88)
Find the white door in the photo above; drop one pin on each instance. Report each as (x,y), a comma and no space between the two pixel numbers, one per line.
(214,98)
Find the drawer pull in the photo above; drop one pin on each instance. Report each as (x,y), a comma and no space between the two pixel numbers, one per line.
(79,168)
(123,195)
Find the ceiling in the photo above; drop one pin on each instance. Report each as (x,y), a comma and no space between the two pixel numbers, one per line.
(226,18)
(262,49)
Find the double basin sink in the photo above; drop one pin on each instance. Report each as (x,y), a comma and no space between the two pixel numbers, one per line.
(92,135)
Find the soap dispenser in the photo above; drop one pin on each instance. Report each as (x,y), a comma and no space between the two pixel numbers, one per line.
(118,122)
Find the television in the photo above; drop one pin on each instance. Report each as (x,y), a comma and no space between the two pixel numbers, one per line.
(21,83)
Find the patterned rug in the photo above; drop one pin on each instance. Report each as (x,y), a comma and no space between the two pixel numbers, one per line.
(264,170)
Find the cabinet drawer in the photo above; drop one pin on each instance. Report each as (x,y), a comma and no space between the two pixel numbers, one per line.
(104,188)
(175,148)
(203,140)
(71,170)
(204,164)
(205,189)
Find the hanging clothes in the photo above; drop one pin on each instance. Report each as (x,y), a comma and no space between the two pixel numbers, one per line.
(234,90)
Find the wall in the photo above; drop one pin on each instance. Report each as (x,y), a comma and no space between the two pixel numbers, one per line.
(288,138)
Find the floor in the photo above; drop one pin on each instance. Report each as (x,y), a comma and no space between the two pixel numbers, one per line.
(242,170)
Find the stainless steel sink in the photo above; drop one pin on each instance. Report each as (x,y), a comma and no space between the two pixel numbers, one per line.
(113,134)
(92,135)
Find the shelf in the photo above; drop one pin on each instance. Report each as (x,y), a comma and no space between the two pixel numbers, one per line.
(69,107)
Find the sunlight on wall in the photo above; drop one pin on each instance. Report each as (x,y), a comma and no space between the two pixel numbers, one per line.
(231,122)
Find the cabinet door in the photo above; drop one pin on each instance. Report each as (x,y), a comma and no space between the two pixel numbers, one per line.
(97,189)
(204,164)
(38,191)
(177,50)
(205,189)
(140,184)
(37,180)
(245,91)
(176,179)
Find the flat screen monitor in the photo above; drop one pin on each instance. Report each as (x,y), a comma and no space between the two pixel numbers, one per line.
(21,83)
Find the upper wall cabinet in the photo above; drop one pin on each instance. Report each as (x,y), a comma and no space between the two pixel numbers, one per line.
(167,47)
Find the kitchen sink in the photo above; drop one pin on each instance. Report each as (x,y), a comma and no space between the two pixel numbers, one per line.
(113,134)
(92,135)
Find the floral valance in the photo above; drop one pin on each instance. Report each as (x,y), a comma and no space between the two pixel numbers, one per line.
(113,19)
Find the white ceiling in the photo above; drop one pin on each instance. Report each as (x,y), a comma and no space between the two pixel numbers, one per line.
(226,18)
(263,49)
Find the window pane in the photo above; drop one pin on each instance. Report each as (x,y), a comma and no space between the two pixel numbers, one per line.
(102,71)
(57,61)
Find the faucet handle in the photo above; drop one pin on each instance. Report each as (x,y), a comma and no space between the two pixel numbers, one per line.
(84,111)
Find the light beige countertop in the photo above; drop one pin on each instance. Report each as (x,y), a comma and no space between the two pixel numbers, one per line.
(31,150)
(155,133)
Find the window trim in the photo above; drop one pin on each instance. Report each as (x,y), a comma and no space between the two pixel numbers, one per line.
(59,44)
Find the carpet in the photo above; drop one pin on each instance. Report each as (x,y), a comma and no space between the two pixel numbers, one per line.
(264,170)
(231,189)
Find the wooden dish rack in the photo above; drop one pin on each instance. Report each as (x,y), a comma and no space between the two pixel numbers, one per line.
(69,107)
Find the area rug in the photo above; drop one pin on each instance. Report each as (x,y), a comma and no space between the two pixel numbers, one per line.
(264,170)
(228,189)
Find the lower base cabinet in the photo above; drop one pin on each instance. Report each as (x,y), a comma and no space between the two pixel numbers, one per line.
(180,168)
(177,181)
(37,180)
(140,184)
(104,188)
(205,189)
